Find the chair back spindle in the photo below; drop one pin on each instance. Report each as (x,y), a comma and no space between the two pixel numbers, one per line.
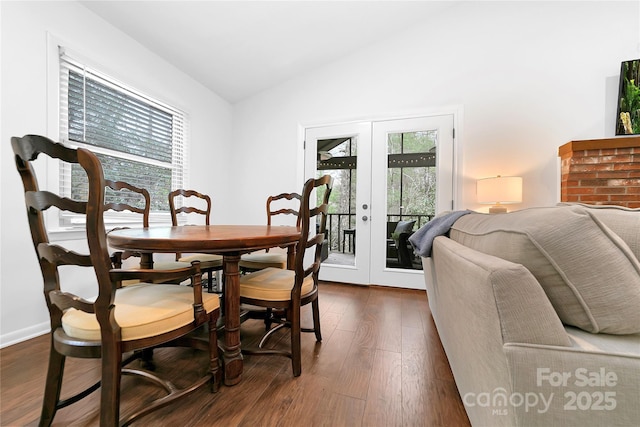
(197,203)
(188,209)
(274,211)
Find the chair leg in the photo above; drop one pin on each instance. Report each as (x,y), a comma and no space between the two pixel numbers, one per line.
(210,281)
(110,391)
(216,373)
(296,356)
(52,387)
(316,319)
(219,284)
(268,319)
(273,316)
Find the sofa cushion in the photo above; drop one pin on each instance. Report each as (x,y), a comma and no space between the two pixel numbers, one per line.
(403,227)
(589,273)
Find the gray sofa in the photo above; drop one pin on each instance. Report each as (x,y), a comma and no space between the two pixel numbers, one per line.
(538,311)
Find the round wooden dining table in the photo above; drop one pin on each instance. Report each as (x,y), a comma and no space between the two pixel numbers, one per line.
(230,241)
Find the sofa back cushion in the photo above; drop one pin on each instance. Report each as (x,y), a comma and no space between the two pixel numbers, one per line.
(625,222)
(589,273)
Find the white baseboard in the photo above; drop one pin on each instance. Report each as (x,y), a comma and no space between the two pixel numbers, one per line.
(24,334)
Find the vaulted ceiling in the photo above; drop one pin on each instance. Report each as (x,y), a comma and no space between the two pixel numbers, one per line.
(240,48)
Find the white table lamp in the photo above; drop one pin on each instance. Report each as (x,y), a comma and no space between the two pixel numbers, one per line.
(498,191)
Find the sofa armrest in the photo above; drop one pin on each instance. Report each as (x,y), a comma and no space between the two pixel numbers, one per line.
(524,312)
(480,303)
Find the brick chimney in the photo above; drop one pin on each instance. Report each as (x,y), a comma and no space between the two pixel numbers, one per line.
(601,171)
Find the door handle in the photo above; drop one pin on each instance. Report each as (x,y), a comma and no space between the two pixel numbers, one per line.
(365,218)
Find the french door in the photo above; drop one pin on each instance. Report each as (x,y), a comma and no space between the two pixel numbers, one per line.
(390,178)
(344,151)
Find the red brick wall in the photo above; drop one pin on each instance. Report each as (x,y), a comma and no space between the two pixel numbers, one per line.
(601,171)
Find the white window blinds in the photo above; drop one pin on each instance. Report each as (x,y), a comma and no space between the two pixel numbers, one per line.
(138,140)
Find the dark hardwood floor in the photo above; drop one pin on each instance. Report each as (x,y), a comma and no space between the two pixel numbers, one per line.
(380,364)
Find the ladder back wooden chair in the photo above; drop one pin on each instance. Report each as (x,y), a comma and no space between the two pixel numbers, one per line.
(284,204)
(208,262)
(288,290)
(120,320)
(122,197)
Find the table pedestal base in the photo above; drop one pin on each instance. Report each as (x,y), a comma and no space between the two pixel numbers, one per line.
(232,356)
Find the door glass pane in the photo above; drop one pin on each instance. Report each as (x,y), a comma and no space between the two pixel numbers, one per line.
(337,157)
(411,192)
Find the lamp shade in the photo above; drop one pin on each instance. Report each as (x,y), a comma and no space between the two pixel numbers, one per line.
(500,190)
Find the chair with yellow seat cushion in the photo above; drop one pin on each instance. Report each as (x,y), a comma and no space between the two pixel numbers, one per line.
(288,290)
(200,204)
(119,321)
(276,257)
(282,209)
(121,196)
(172,309)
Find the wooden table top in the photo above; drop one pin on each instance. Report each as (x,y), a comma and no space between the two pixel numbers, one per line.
(203,238)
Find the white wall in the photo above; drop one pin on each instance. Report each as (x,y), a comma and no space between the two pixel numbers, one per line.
(25,109)
(528,77)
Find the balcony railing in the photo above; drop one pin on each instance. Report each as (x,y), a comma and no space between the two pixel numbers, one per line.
(338,222)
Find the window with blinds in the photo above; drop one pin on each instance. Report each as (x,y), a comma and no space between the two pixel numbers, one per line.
(137,139)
